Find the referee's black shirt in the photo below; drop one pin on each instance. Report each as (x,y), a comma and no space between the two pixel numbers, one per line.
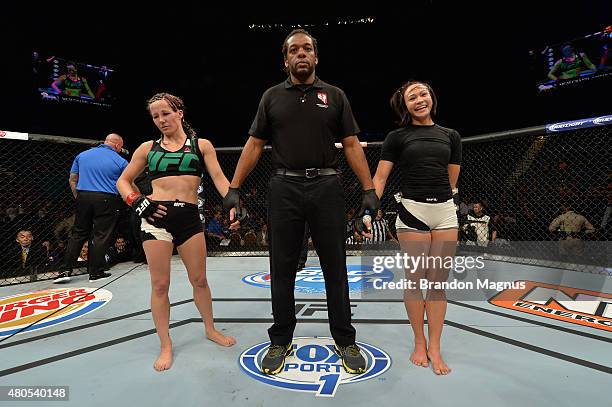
(302,123)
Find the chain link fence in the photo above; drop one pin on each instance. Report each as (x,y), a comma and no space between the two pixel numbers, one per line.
(36,205)
(527,196)
(539,198)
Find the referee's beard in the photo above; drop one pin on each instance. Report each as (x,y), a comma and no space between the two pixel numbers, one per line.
(301,74)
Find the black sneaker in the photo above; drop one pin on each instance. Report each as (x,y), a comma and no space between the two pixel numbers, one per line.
(99,277)
(352,360)
(274,361)
(62,277)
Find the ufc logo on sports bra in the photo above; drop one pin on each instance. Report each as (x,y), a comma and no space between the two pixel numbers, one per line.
(159,161)
(142,207)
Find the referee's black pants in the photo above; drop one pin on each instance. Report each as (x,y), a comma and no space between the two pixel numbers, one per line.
(293,201)
(96,212)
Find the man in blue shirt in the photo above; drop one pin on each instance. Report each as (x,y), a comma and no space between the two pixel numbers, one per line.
(215,231)
(93,179)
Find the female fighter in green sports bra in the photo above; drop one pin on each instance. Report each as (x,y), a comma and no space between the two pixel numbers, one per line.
(73,83)
(170,214)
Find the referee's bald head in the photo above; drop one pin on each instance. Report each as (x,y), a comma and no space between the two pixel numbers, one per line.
(114,140)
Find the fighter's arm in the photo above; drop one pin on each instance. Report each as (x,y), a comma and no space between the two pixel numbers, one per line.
(212,166)
(382,174)
(453,174)
(89,92)
(57,82)
(145,207)
(125,183)
(216,174)
(553,70)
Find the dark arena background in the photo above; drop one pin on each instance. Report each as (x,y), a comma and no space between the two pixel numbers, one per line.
(535,149)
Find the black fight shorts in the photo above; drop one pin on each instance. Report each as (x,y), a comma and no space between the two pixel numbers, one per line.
(181,222)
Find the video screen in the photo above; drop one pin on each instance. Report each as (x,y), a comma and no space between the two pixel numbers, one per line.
(573,62)
(61,80)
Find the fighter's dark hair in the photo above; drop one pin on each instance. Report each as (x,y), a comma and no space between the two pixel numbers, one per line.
(175,103)
(398,104)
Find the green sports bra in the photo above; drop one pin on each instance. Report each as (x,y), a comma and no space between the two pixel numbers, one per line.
(188,160)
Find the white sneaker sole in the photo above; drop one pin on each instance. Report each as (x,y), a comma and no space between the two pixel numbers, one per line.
(61,280)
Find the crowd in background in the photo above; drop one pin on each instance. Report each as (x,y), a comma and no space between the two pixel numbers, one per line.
(36,242)
(43,233)
(554,200)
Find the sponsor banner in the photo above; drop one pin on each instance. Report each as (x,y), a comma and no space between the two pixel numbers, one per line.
(313,366)
(19,311)
(310,280)
(568,304)
(13,135)
(579,124)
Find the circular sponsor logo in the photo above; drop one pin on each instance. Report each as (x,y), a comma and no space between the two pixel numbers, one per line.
(313,366)
(261,279)
(19,311)
(310,279)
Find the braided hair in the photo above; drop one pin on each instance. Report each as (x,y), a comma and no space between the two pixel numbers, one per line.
(175,103)
(398,104)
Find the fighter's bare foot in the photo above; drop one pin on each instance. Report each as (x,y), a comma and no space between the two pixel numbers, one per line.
(164,361)
(419,355)
(437,363)
(221,339)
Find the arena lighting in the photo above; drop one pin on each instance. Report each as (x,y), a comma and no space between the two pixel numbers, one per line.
(287,26)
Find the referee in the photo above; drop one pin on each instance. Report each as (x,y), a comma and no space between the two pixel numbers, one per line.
(93,176)
(380,230)
(302,118)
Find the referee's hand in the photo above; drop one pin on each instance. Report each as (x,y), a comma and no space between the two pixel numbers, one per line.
(231,203)
(369,202)
(231,200)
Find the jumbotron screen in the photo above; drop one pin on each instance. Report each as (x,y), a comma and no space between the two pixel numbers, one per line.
(61,80)
(574,62)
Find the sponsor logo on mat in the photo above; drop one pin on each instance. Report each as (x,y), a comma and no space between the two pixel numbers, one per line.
(313,366)
(58,305)
(310,280)
(573,305)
